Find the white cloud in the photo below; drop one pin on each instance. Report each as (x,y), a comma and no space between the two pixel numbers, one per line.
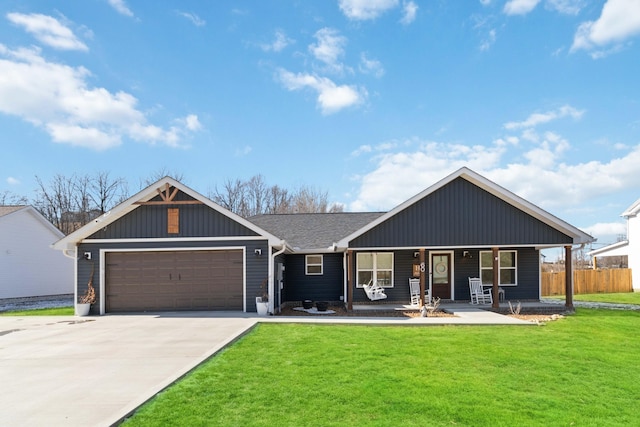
(607,229)
(58,98)
(541,176)
(329,49)
(489,40)
(48,30)
(331,97)
(536,119)
(121,7)
(409,10)
(13,181)
(519,7)
(619,21)
(362,10)
(244,151)
(195,19)
(370,66)
(568,7)
(400,175)
(192,123)
(280,42)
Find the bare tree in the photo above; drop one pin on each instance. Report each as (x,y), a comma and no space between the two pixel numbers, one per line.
(9,198)
(158,174)
(55,201)
(278,200)
(69,202)
(231,196)
(107,192)
(312,200)
(255,197)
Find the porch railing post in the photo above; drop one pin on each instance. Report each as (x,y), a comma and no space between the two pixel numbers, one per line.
(423,275)
(496,272)
(349,280)
(568,278)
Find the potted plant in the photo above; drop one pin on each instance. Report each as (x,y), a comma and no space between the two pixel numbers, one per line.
(262,301)
(322,305)
(85,301)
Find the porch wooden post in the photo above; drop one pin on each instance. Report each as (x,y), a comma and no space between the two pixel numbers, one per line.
(568,278)
(422,276)
(349,280)
(496,273)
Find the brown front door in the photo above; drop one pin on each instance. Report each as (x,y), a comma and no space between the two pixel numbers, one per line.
(441,275)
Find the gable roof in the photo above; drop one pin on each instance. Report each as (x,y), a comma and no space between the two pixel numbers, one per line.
(632,210)
(70,241)
(5,211)
(545,217)
(616,249)
(314,232)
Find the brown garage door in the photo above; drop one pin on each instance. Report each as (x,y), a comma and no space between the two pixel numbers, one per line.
(176,280)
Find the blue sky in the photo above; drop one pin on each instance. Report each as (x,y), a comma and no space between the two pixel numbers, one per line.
(369,100)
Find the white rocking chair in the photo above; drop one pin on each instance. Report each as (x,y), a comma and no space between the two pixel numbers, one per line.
(479,295)
(374,291)
(414,289)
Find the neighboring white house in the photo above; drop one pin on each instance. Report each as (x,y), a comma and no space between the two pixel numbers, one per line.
(629,247)
(28,265)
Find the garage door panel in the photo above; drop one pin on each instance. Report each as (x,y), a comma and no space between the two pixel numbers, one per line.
(174,280)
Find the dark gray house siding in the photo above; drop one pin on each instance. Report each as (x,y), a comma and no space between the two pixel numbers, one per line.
(150,221)
(255,266)
(458,214)
(463,268)
(325,287)
(528,270)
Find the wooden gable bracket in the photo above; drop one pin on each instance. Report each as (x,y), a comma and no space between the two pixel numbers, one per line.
(167,197)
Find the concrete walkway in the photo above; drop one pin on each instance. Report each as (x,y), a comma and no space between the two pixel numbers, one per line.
(93,371)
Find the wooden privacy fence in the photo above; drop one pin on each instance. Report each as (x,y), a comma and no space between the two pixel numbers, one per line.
(589,282)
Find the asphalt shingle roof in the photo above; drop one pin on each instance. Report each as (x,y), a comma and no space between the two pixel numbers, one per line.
(314,230)
(6,210)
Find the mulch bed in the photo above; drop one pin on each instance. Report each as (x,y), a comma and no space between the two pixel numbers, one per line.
(341,311)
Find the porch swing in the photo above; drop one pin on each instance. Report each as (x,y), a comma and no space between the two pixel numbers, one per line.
(374,291)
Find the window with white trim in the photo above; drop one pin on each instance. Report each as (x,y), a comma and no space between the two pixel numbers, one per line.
(374,267)
(313,265)
(507,268)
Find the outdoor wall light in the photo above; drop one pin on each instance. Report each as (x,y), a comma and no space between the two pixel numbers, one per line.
(416,254)
(466,254)
(87,255)
(258,252)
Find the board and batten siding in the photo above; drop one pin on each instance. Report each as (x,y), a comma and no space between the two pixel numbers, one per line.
(325,287)
(458,214)
(528,270)
(255,266)
(150,221)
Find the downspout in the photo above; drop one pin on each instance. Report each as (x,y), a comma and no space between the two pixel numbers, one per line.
(271,267)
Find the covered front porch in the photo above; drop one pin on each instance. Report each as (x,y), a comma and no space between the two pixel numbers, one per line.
(507,273)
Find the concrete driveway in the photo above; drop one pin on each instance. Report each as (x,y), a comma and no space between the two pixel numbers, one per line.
(92,371)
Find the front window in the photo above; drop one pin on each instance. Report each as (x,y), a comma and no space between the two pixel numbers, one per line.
(313,265)
(507,268)
(375,267)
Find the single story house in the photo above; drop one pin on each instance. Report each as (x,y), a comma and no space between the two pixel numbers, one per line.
(28,265)
(170,248)
(629,247)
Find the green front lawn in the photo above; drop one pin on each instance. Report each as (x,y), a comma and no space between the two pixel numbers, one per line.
(59,311)
(581,370)
(616,298)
